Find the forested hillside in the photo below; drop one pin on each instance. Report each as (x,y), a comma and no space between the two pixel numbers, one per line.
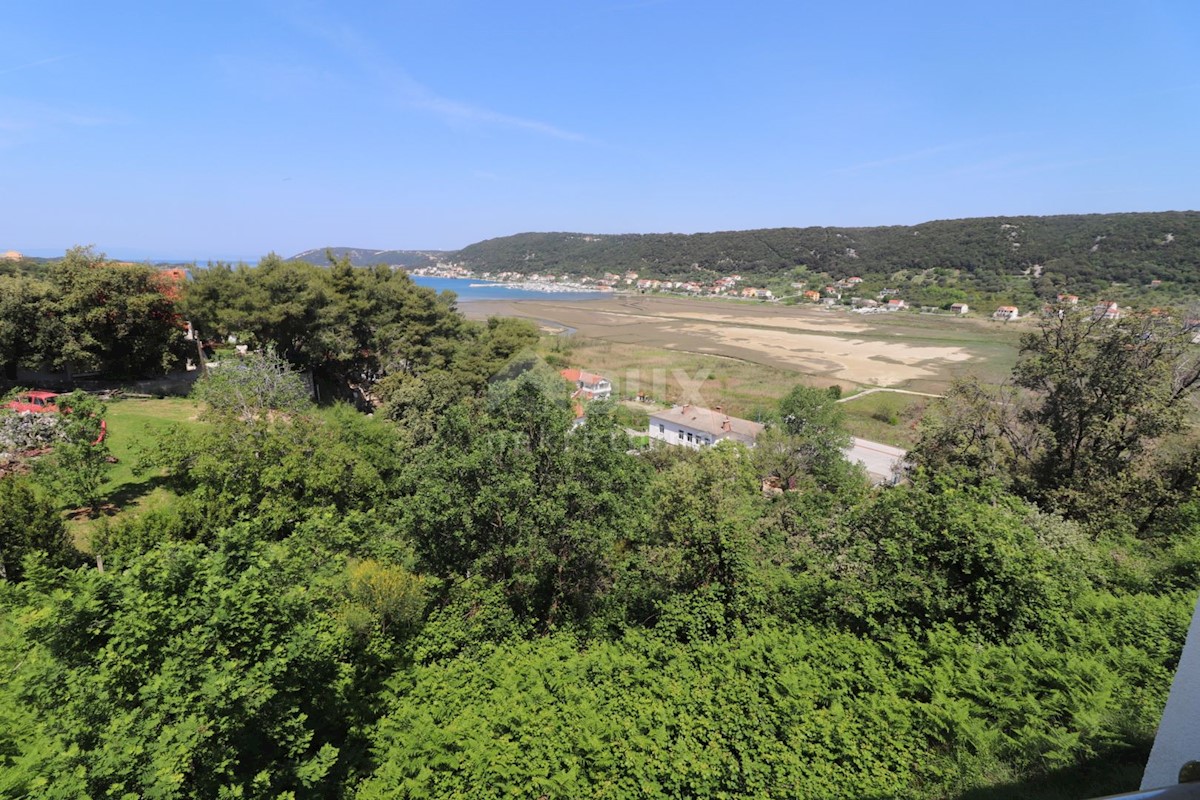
(360,257)
(1079,253)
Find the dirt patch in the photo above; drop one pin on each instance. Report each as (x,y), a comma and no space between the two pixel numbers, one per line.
(827,344)
(866,361)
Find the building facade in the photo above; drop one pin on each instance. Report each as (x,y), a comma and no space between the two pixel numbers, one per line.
(696,427)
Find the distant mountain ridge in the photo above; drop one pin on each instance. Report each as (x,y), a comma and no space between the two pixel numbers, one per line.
(362,257)
(1115,247)
(1078,252)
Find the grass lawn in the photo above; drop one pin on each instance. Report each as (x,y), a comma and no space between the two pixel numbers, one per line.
(132,427)
(885,417)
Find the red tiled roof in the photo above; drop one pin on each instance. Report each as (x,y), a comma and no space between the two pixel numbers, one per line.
(577,375)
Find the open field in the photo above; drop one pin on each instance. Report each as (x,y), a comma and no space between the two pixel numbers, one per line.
(745,356)
(670,376)
(132,426)
(914,351)
(885,417)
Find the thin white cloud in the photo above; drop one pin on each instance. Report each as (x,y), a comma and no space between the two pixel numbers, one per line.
(32,64)
(26,122)
(1005,163)
(1017,164)
(420,96)
(903,158)
(410,92)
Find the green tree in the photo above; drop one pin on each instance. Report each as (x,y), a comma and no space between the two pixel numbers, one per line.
(1104,393)
(198,673)
(24,302)
(352,326)
(693,569)
(248,387)
(508,490)
(937,552)
(110,317)
(1081,430)
(808,439)
(280,471)
(79,461)
(29,522)
(973,429)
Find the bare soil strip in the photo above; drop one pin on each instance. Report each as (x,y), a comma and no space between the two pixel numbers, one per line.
(815,341)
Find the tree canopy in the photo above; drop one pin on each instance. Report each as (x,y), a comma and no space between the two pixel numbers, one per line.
(1086,426)
(472,592)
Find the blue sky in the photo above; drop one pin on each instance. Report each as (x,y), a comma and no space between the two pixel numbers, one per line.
(230,128)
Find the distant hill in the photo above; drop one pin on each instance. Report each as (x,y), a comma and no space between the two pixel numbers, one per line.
(360,257)
(1082,253)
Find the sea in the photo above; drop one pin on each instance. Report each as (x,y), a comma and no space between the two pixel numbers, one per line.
(470,289)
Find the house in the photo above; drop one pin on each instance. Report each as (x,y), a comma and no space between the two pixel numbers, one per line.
(896,304)
(764,294)
(1068,299)
(588,385)
(1106,310)
(812,294)
(853,280)
(959,308)
(696,427)
(1006,313)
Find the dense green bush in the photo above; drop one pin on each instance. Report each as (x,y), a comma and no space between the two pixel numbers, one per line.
(467,595)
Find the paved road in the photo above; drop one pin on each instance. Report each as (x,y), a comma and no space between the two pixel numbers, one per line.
(879,459)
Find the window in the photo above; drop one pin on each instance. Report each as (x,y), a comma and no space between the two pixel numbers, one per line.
(662,428)
(681,436)
(689,437)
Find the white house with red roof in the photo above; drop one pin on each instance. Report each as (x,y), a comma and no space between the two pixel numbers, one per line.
(1006,313)
(588,385)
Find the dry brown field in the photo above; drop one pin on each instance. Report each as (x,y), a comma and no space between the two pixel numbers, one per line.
(754,352)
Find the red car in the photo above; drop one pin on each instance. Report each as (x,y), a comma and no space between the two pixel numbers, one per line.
(42,402)
(38,402)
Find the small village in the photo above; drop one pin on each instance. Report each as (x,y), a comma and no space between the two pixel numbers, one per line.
(835,293)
